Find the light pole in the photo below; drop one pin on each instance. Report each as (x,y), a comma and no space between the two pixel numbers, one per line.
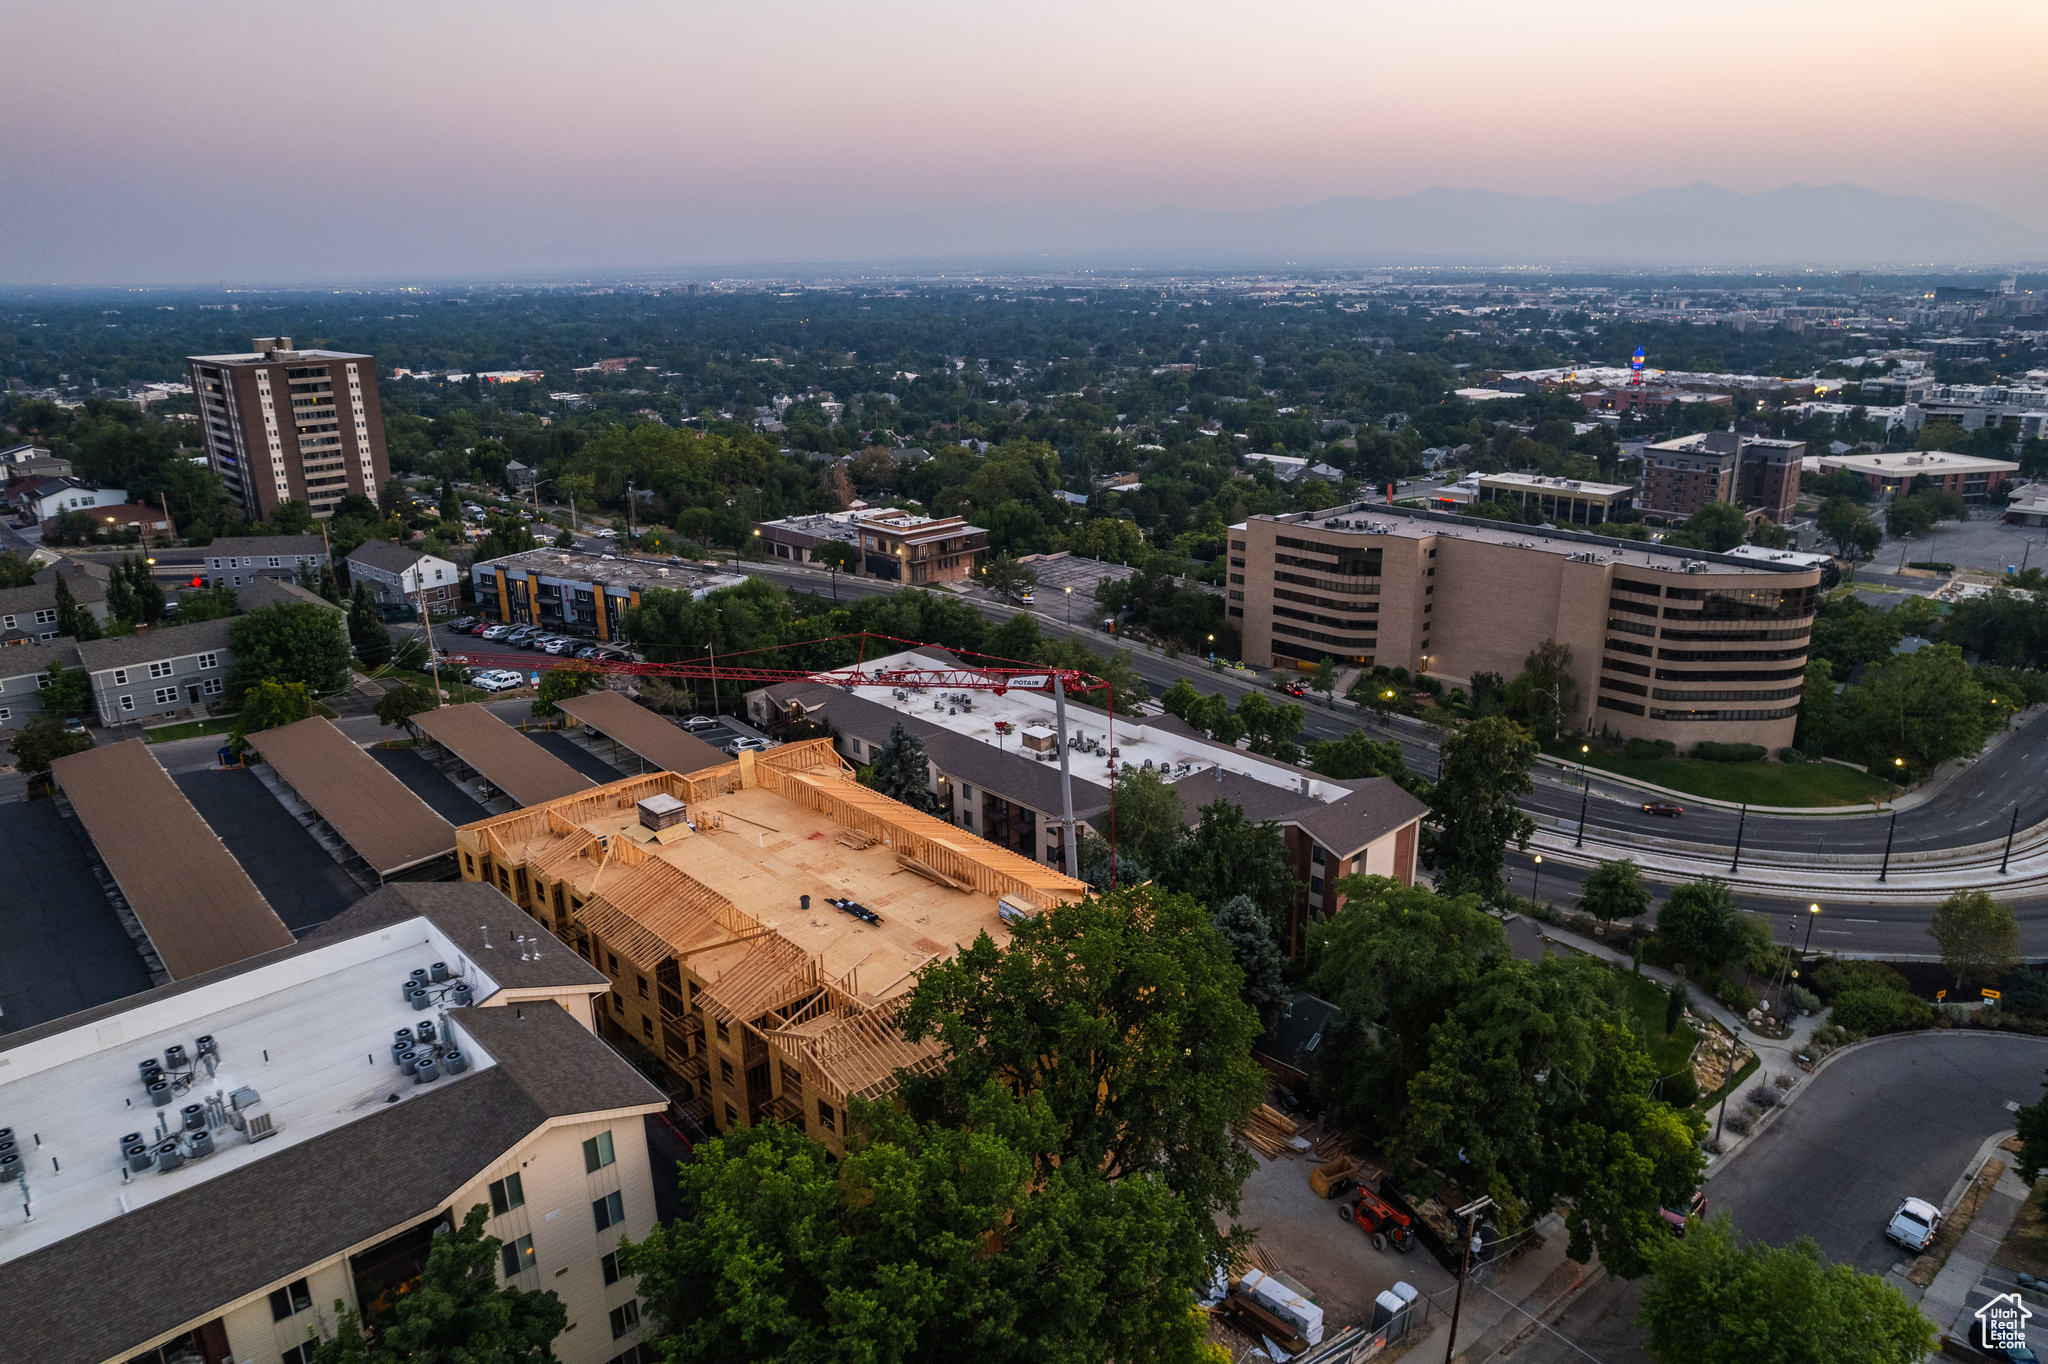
(1536,880)
(1740,825)
(1212,648)
(2004,861)
(1812,913)
(1585,794)
(1070,607)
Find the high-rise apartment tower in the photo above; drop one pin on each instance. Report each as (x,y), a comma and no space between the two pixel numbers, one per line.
(283,423)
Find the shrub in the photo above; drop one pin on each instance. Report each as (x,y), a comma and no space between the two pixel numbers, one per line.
(1791,755)
(1711,983)
(1872,1012)
(1738,1123)
(1400,674)
(1649,748)
(1457,697)
(1803,998)
(1832,1035)
(1681,1090)
(1761,1097)
(1709,751)
(1740,998)
(1783,1080)
(1932,565)
(1836,976)
(1430,685)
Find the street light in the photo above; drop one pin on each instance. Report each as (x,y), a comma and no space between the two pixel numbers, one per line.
(1536,879)
(1070,606)
(1585,793)
(1812,912)
(1212,648)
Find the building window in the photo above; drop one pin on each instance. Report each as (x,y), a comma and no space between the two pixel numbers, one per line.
(293,1298)
(609,1211)
(47,616)
(643,986)
(5,713)
(166,696)
(1316,856)
(597,1153)
(127,703)
(298,1354)
(162,669)
(120,677)
(208,661)
(723,1034)
(732,1117)
(611,961)
(625,1318)
(825,1115)
(610,1264)
(212,686)
(518,1256)
(507,1194)
(647,1028)
(725,1070)
(618,1003)
(273,561)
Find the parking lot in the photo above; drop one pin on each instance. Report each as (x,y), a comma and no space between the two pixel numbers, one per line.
(722,730)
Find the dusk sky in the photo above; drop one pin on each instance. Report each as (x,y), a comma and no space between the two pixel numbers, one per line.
(199,142)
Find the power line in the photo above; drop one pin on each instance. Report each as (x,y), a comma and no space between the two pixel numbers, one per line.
(1540,1322)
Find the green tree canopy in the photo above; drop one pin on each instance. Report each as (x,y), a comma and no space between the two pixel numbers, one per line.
(1926,707)
(1978,936)
(901,771)
(400,703)
(68,691)
(1148,815)
(559,684)
(1249,933)
(1717,526)
(1484,768)
(366,632)
(1007,578)
(459,1312)
(1614,890)
(1698,922)
(1715,1300)
(1226,855)
(290,642)
(36,745)
(72,619)
(1546,690)
(1122,1014)
(267,705)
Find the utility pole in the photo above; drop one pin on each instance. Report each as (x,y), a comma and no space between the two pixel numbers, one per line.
(1585,795)
(427,622)
(1740,825)
(1470,1212)
(1071,841)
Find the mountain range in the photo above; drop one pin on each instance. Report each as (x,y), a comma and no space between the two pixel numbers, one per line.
(1833,226)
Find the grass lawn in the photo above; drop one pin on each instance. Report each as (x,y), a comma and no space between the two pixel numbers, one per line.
(451,682)
(1794,785)
(191,729)
(1647,1001)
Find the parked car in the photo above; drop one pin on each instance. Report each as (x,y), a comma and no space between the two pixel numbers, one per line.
(461,623)
(1677,1218)
(606,534)
(497,682)
(1663,807)
(614,655)
(589,651)
(560,647)
(696,722)
(745,745)
(1290,688)
(498,632)
(1914,1224)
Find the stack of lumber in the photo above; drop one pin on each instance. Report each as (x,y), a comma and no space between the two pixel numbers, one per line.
(1270,1132)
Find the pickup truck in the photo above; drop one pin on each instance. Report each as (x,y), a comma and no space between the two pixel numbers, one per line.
(1914,1224)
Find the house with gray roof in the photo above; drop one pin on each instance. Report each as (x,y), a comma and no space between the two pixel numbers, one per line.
(30,613)
(400,573)
(158,673)
(235,559)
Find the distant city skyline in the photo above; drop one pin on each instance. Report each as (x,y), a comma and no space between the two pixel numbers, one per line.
(194,144)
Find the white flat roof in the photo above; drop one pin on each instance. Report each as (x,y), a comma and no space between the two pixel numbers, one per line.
(1539,482)
(1918,462)
(310,1033)
(1137,741)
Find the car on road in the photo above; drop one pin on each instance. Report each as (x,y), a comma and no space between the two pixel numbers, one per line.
(695,722)
(1663,807)
(746,745)
(606,534)
(1290,688)
(498,681)
(1914,1224)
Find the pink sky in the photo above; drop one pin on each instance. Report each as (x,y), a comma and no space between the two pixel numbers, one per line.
(149,141)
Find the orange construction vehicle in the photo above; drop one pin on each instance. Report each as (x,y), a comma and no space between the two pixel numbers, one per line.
(1378,1220)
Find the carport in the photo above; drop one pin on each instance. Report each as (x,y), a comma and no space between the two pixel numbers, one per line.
(500,754)
(659,745)
(393,832)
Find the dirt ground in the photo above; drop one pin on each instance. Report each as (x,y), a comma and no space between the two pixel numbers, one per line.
(1303,1237)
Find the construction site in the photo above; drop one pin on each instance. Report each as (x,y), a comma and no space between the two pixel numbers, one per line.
(762,923)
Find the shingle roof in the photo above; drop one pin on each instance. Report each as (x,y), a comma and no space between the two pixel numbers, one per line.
(239,545)
(20,660)
(388,826)
(169,641)
(264,590)
(41,595)
(643,733)
(518,766)
(382,554)
(1373,810)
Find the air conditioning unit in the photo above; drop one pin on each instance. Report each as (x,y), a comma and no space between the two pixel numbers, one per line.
(258,1122)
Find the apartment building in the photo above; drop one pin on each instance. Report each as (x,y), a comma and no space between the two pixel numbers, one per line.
(30,613)
(1758,474)
(24,676)
(243,1148)
(1670,644)
(766,979)
(158,672)
(284,424)
(234,560)
(581,594)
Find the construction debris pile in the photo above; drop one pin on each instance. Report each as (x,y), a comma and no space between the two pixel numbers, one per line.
(1273,1134)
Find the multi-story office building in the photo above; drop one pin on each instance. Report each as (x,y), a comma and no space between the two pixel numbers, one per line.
(1666,643)
(1974,478)
(1756,473)
(247,1146)
(1562,501)
(580,594)
(286,424)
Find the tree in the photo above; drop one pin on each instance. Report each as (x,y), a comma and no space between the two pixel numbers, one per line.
(902,773)
(559,684)
(458,1312)
(1121,1016)
(1977,935)
(207,603)
(1852,530)
(399,704)
(566,539)
(1716,1301)
(1227,855)
(1007,578)
(1717,526)
(1926,707)
(1325,680)
(926,1242)
(1357,755)
(1698,922)
(1613,890)
(289,642)
(838,556)
(15,571)
(72,619)
(366,632)
(1484,769)
(1549,690)
(291,517)
(267,705)
(1270,728)
(2033,1131)
(67,692)
(39,743)
(1149,817)
(1249,933)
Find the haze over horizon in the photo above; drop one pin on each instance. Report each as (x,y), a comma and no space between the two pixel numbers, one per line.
(145,145)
